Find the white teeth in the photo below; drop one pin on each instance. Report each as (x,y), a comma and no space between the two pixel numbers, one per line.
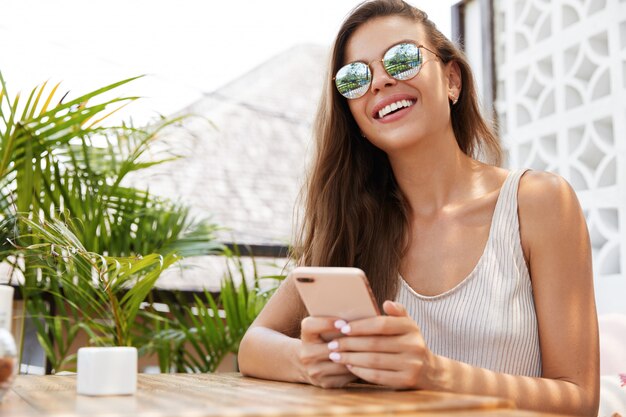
(394,106)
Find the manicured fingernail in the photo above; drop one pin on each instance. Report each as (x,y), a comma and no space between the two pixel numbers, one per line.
(339,324)
(334,356)
(346,329)
(348,366)
(333,345)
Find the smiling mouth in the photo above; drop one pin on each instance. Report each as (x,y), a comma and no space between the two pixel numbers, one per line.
(394,107)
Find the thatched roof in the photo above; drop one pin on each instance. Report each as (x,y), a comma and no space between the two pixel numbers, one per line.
(247,171)
(246,166)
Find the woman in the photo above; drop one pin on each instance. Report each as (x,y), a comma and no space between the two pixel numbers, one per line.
(490,270)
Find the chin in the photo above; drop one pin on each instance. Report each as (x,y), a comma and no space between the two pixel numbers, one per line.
(397,143)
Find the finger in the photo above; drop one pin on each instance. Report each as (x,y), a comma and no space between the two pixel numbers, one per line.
(384,344)
(337,381)
(312,328)
(388,378)
(381,325)
(394,309)
(372,360)
(334,369)
(324,370)
(314,352)
(327,368)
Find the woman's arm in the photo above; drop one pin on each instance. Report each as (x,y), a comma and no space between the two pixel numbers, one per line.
(556,244)
(558,250)
(270,347)
(281,345)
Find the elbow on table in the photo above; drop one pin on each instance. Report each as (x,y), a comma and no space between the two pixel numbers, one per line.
(244,355)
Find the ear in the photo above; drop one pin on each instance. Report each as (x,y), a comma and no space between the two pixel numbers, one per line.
(455,83)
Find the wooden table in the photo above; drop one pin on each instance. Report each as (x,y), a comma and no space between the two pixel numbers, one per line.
(201,395)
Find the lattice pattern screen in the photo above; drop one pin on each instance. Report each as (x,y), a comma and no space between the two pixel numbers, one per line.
(561,103)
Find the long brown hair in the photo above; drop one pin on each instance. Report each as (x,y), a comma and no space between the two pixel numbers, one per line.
(354,212)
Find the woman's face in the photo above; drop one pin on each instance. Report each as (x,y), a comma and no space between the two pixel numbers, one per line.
(427,93)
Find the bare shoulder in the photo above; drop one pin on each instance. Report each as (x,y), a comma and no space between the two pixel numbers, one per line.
(549,213)
(544,196)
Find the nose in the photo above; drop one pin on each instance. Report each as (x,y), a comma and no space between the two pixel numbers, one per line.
(380,78)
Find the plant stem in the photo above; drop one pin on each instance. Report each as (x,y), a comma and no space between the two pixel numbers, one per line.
(115,307)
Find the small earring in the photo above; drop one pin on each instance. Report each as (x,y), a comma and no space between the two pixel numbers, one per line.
(454,99)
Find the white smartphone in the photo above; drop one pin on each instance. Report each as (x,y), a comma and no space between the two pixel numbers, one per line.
(335,292)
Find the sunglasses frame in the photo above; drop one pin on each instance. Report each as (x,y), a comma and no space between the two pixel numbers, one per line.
(382,60)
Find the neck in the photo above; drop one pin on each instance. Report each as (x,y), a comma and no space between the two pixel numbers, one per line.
(432,175)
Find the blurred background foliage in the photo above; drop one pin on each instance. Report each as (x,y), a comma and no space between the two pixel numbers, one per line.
(89,250)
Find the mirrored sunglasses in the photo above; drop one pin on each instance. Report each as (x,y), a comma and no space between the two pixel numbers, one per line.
(402,62)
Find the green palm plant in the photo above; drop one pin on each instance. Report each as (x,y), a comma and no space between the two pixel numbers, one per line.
(197,336)
(104,294)
(57,163)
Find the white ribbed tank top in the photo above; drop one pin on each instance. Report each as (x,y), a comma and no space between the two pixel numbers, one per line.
(488,319)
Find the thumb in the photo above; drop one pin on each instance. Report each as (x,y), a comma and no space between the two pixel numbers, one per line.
(394,309)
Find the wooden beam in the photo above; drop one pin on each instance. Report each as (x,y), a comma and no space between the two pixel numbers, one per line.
(259,251)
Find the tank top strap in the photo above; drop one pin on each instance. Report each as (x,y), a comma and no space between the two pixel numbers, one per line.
(505,216)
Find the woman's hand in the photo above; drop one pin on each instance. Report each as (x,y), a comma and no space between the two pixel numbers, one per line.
(385,350)
(316,367)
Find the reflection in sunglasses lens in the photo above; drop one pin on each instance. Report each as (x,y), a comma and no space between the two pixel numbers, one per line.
(353,80)
(403,61)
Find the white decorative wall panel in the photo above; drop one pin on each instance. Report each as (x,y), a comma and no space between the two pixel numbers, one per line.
(561,105)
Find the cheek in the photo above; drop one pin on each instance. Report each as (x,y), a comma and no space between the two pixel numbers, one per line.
(436,105)
(357,109)
(439,106)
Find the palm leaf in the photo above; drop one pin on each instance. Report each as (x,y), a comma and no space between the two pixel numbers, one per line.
(122,283)
(68,193)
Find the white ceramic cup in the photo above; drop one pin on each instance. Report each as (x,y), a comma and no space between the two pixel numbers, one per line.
(107,371)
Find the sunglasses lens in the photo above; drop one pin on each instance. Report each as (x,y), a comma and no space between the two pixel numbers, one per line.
(353,80)
(403,61)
